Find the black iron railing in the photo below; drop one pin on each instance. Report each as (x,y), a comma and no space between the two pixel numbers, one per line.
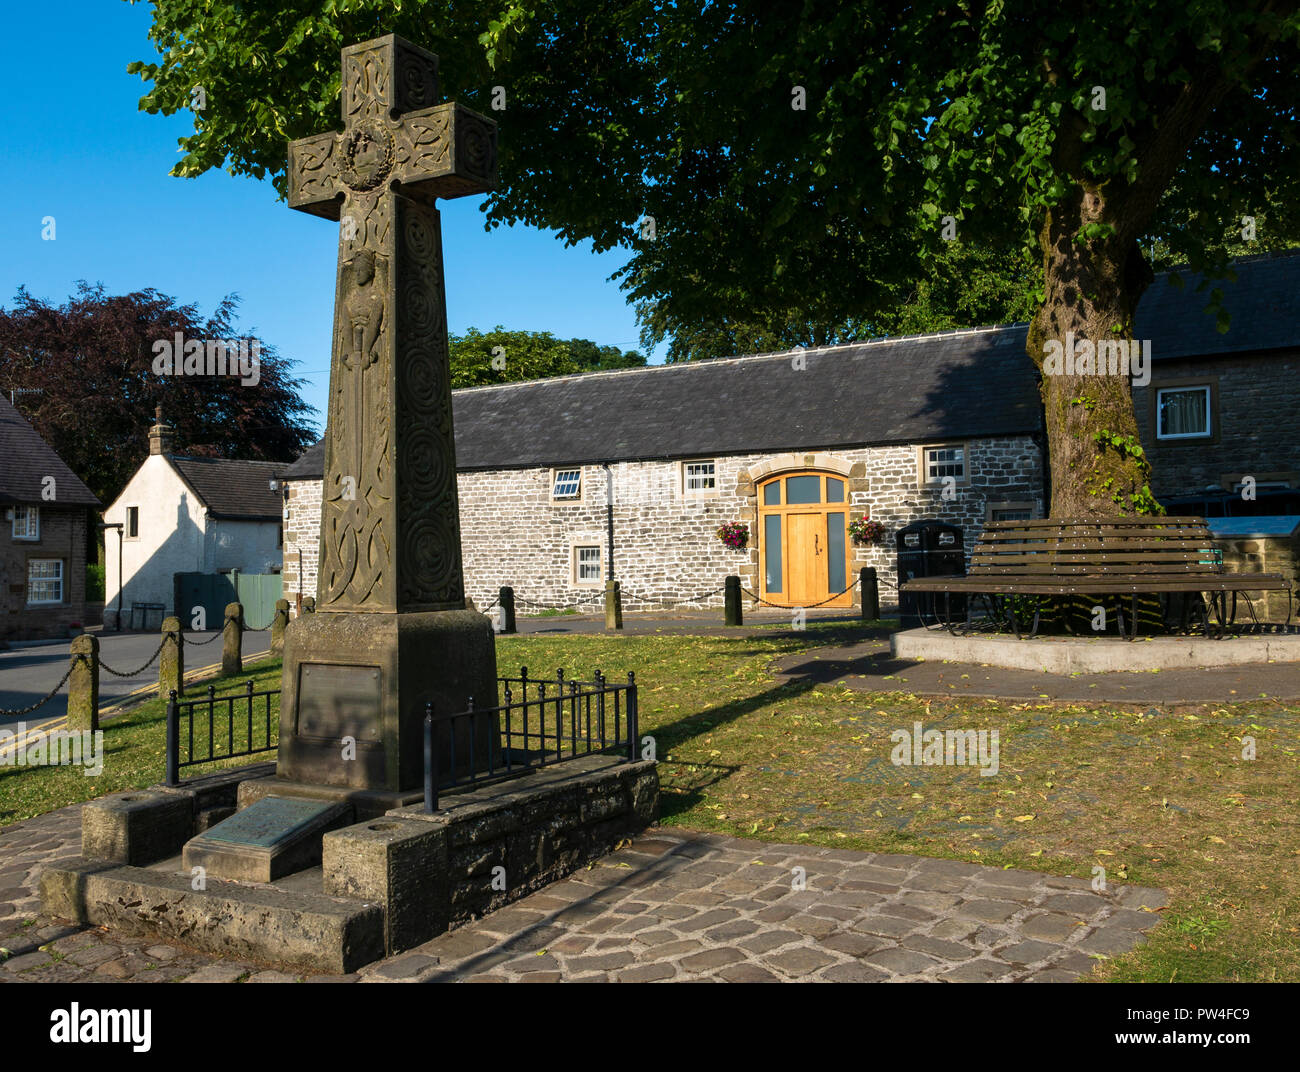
(541,722)
(220,727)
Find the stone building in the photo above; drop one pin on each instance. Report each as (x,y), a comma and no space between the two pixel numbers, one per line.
(630,473)
(1220,419)
(47,511)
(188,515)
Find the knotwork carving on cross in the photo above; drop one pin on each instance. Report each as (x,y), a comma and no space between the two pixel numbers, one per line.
(382,176)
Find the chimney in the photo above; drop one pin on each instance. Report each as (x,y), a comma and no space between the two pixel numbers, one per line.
(160,435)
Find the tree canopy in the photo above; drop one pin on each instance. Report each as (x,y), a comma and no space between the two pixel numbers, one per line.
(794,170)
(89,364)
(481,358)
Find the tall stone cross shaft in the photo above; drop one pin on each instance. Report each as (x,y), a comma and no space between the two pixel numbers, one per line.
(390,526)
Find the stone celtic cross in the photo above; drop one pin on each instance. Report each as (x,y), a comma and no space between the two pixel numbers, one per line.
(390,526)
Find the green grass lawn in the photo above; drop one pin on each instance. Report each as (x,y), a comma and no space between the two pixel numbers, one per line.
(1158,797)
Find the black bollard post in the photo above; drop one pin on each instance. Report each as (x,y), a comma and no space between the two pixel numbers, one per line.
(732,613)
(870,594)
(506,601)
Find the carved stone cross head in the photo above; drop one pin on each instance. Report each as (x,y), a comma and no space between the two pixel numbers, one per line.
(394,138)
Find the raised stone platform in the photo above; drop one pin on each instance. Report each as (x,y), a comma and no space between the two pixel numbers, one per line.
(384,885)
(1093,655)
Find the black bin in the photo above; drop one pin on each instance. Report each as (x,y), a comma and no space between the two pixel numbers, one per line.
(929,549)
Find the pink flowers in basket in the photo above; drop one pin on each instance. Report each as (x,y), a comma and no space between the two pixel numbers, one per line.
(864,530)
(735,534)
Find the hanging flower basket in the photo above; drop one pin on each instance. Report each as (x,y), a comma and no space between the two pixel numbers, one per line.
(865,531)
(735,534)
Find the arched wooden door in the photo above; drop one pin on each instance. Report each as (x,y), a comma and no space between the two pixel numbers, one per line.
(802,540)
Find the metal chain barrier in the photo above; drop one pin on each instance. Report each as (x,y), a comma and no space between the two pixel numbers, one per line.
(566,606)
(668,604)
(811,606)
(199,643)
(117,673)
(48,696)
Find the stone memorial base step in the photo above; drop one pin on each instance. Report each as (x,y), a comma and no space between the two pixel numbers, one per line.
(383,885)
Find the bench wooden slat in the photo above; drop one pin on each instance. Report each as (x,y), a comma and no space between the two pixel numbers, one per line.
(1114,522)
(1245,582)
(1099,546)
(1186,569)
(1046,537)
(1101,558)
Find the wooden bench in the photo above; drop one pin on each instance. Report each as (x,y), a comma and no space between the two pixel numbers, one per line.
(1126,556)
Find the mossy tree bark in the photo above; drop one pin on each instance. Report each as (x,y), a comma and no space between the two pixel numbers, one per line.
(1094,274)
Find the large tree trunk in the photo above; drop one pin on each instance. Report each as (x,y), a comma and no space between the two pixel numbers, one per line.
(1098,468)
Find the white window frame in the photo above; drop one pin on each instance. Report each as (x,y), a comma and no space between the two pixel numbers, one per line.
(31,513)
(58,579)
(689,492)
(555,479)
(575,559)
(923,464)
(126,523)
(1209,416)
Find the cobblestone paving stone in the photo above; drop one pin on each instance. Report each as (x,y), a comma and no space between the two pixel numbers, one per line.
(672,906)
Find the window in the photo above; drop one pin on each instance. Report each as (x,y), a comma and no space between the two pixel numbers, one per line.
(699,478)
(1010,511)
(132,523)
(587,565)
(27,523)
(1183,413)
(566,484)
(44,580)
(940,463)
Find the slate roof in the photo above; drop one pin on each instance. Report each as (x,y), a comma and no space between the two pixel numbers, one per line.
(950,385)
(955,385)
(26,459)
(1264,303)
(232,489)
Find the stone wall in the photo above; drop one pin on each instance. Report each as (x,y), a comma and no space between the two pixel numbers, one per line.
(1264,554)
(1255,424)
(62,537)
(508,840)
(301,540)
(665,546)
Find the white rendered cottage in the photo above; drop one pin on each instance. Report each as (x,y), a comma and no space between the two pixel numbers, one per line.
(188,515)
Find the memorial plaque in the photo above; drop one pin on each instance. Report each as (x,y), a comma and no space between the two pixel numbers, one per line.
(271,837)
(339,701)
(268,821)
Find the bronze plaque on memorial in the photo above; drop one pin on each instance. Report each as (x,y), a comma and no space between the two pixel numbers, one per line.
(339,701)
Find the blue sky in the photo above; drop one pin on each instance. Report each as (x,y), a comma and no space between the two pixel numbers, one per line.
(77,149)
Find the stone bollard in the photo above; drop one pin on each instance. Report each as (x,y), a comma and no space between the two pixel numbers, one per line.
(232,658)
(278,624)
(83,684)
(171,660)
(613,605)
(733,615)
(870,594)
(506,601)
(309,605)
